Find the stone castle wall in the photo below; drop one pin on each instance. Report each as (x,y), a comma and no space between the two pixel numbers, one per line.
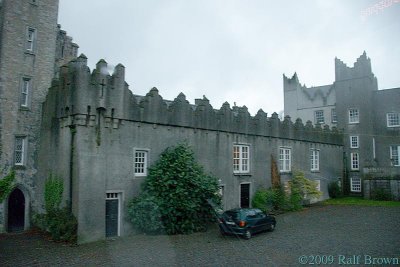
(92,124)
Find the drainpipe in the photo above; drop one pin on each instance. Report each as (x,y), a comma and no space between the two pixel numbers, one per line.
(71,163)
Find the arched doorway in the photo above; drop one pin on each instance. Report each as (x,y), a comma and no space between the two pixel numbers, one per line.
(16,211)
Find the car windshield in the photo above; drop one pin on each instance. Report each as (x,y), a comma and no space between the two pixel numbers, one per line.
(234,215)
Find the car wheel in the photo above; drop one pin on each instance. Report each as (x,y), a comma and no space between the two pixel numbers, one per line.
(247,234)
(272,228)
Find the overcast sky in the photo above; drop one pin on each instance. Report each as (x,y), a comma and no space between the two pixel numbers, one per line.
(234,51)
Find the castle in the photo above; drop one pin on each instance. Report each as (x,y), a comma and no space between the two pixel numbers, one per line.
(89,128)
(369,119)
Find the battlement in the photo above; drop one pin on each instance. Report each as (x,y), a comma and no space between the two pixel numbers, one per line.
(81,98)
(361,68)
(291,84)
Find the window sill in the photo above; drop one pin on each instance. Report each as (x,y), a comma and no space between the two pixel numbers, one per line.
(285,172)
(315,171)
(29,52)
(19,167)
(139,176)
(242,174)
(24,108)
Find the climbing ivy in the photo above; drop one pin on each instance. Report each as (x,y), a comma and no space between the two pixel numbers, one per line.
(53,190)
(58,221)
(6,185)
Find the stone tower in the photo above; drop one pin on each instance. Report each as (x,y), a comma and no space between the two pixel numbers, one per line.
(28,38)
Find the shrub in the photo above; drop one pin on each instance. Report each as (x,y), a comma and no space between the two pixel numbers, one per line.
(276,199)
(59,222)
(62,224)
(381,194)
(295,200)
(334,190)
(273,199)
(145,214)
(306,188)
(39,220)
(263,199)
(179,190)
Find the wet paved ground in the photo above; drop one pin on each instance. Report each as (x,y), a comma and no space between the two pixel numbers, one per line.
(338,234)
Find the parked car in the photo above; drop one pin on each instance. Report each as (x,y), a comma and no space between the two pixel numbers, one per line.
(245,222)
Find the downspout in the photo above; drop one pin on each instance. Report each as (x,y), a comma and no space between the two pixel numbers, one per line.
(71,163)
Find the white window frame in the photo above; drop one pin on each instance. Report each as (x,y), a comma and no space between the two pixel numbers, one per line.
(241,158)
(314,159)
(354,141)
(285,159)
(30,39)
(393,119)
(20,149)
(140,167)
(319,115)
(26,87)
(395,155)
(355,161)
(355,184)
(354,116)
(333,116)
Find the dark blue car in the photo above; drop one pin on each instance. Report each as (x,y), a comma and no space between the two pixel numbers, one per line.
(245,222)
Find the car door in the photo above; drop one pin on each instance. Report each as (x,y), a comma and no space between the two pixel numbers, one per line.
(263,222)
(251,220)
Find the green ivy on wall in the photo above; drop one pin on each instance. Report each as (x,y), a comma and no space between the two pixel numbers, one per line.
(6,185)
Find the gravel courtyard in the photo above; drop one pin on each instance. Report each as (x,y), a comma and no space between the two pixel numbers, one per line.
(330,234)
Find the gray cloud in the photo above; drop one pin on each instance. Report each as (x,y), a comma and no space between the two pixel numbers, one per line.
(233,51)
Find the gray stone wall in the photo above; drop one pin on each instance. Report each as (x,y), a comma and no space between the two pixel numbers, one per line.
(92,123)
(16,62)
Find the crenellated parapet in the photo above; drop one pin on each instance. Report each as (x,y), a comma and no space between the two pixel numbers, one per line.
(361,68)
(84,98)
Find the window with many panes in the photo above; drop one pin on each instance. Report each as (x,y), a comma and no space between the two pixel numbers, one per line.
(314,158)
(395,155)
(26,88)
(334,116)
(319,116)
(30,39)
(355,184)
(285,159)
(354,141)
(354,161)
(140,162)
(393,119)
(241,159)
(19,150)
(354,116)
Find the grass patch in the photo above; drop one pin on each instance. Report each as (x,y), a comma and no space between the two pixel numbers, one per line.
(359,201)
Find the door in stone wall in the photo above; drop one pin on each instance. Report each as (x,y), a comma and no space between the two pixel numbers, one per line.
(112,214)
(244,195)
(16,211)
